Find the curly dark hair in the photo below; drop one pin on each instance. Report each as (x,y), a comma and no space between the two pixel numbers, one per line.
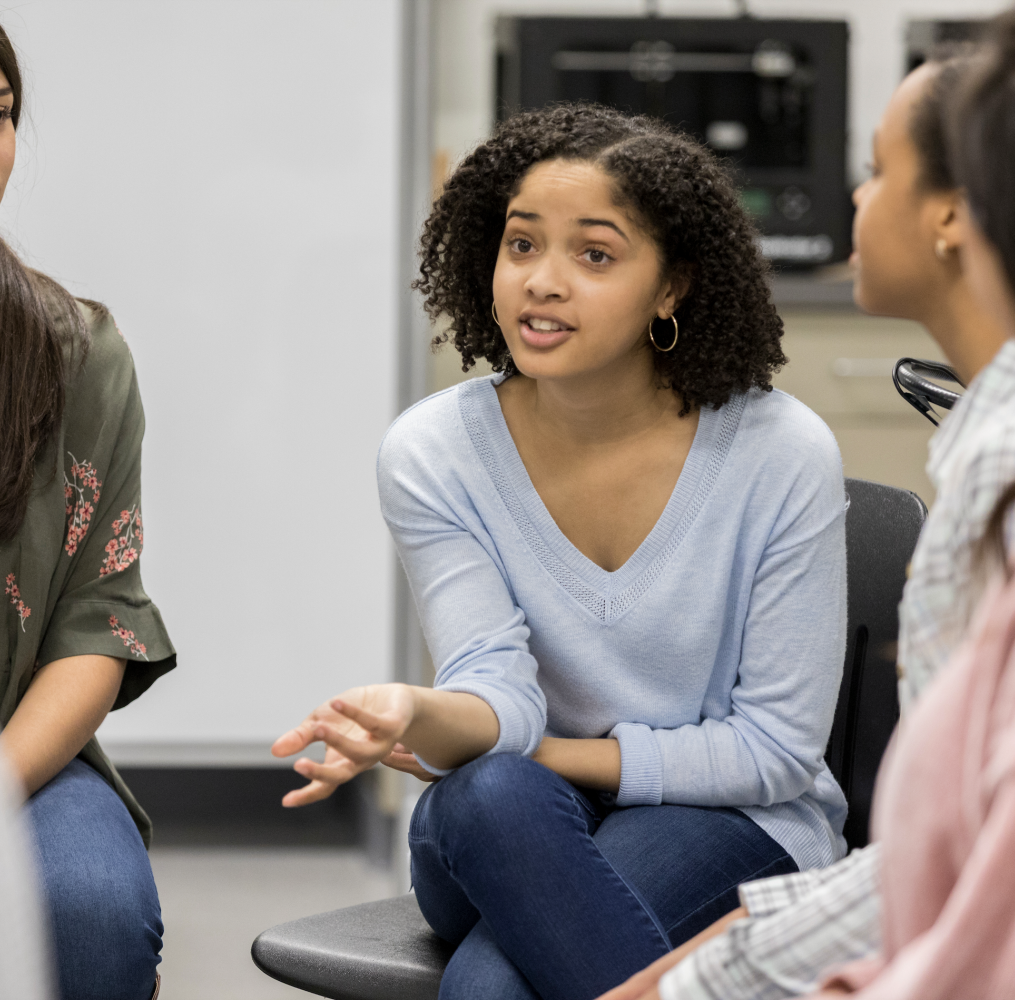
(682,195)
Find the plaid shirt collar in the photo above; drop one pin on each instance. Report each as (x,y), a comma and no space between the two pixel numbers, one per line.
(992,388)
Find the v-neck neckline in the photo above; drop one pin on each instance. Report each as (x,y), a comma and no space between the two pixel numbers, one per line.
(484,418)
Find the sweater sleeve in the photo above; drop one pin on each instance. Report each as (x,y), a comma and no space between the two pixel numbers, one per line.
(770,746)
(474,629)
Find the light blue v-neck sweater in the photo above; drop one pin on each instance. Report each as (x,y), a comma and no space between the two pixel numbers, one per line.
(713,655)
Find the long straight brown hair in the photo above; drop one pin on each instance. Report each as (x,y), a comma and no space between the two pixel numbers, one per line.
(41,331)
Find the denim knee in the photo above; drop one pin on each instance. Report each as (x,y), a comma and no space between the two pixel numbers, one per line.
(99,888)
(107,928)
(492,796)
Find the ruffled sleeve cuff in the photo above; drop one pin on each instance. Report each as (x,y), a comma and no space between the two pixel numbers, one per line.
(641,765)
(116,629)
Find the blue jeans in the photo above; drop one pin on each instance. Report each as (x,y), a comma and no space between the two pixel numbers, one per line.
(98,886)
(548,893)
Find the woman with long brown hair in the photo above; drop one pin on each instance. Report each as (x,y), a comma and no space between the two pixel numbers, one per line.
(78,634)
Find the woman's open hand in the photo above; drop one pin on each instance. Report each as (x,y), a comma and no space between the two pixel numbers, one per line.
(360,728)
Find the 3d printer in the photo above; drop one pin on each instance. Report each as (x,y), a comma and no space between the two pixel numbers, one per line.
(768,95)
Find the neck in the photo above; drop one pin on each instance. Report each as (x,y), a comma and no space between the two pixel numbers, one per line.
(967,335)
(601,407)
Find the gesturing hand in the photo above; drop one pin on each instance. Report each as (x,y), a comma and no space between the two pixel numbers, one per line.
(359,728)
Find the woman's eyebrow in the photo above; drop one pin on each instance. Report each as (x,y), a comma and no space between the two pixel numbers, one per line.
(528,216)
(5,91)
(585,223)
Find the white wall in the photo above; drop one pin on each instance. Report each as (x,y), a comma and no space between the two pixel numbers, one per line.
(464,61)
(224,175)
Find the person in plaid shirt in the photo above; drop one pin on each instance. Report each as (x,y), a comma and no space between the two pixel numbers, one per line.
(791,930)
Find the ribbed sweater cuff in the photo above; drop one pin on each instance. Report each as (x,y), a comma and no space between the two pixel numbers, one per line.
(641,765)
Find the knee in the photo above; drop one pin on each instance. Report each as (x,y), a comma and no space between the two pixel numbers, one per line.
(492,791)
(107,928)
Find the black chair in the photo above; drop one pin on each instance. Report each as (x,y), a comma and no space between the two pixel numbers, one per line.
(882,526)
(386,951)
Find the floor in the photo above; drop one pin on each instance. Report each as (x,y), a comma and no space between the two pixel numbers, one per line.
(216,900)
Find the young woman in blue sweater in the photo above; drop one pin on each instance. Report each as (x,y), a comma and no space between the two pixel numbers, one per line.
(628,557)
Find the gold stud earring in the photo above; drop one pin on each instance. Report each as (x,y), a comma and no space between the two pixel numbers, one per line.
(676,336)
(941,249)
(493,309)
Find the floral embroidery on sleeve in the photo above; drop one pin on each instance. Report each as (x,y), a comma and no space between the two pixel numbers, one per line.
(136,647)
(15,594)
(79,512)
(120,551)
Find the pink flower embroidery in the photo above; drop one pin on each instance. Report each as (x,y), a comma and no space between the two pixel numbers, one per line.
(120,551)
(137,648)
(78,506)
(15,594)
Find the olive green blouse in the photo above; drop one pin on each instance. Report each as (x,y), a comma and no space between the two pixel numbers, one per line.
(72,575)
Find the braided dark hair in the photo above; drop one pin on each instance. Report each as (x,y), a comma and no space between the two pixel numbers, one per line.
(729,329)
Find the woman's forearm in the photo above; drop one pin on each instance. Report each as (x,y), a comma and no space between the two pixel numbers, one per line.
(63,706)
(585,763)
(450,728)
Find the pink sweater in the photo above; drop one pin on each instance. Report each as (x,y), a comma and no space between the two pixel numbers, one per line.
(945,814)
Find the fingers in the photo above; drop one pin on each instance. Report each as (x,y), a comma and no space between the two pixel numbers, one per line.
(380,726)
(314,792)
(303,735)
(333,773)
(291,742)
(408,764)
(323,779)
(364,752)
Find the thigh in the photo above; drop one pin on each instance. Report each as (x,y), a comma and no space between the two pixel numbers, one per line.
(686,861)
(500,825)
(99,889)
(515,840)
(479,970)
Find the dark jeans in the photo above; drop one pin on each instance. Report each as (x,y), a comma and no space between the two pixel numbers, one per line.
(98,886)
(550,894)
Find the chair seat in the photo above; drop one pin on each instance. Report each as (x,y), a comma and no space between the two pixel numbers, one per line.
(375,951)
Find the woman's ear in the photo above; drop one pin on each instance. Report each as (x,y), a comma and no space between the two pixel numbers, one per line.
(675,291)
(947,230)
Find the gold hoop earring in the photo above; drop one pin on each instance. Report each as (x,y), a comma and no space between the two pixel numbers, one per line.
(941,249)
(493,309)
(676,336)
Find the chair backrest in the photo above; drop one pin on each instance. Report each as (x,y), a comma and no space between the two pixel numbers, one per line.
(882,526)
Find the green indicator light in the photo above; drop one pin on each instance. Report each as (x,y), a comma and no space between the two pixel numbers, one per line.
(757,201)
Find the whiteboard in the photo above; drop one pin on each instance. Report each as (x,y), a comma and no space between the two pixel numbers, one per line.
(223,174)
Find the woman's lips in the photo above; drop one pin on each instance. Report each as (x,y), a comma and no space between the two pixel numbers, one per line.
(543,338)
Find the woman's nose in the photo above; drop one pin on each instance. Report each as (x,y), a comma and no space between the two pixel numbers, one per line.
(546,280)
